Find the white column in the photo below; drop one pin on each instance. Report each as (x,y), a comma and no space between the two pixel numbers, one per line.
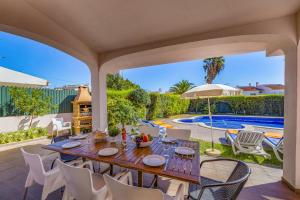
(291,163)
(95,97)
(103,98)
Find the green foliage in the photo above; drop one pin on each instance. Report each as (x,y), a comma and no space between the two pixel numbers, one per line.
(272,105)
(22,135)
(121,111)
(212,67)
(181,87)
(31,103)
(165,105)
(139,97)
(226,152)
(114,94)
(117,82)
(113,131)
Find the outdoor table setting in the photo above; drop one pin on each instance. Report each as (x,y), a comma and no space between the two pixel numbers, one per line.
(168,157)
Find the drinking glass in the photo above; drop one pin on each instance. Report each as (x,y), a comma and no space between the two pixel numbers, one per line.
(166,150)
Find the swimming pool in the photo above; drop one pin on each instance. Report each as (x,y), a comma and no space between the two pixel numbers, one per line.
(235,122)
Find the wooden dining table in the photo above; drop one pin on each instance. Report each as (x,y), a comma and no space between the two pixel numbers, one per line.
(185,168)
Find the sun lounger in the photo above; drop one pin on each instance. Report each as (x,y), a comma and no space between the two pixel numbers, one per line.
(249,142)
(277,145)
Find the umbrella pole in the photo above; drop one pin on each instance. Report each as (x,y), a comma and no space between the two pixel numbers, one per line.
(212,151)
(211,130)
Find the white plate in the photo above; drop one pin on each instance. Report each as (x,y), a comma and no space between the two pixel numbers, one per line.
(184,151)
(169,140)
(70,145)
(154,160)
(108,151)
(78,137)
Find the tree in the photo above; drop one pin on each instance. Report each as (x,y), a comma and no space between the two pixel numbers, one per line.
(121,111)
(212,67)
(117,82)
(181,87)
(30,102)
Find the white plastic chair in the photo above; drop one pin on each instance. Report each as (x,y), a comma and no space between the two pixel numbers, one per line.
(249,142)
(59,125)
(82,184)
(124,190)
(153,131)
(51,180)
(182,134)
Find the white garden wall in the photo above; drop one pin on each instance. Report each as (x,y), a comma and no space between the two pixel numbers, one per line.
(8,124)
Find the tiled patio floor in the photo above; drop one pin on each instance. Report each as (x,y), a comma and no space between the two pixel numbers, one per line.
(264,182)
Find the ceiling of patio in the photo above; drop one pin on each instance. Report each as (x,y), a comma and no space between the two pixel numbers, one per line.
(107,25)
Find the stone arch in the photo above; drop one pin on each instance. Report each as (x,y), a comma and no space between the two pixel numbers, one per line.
(273,44)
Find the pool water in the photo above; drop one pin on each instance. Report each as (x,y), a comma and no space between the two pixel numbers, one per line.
(236,122)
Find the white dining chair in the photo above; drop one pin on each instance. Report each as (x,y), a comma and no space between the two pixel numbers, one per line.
(51,180)
(153,131)
(82,184)
(182,134)
(124,190)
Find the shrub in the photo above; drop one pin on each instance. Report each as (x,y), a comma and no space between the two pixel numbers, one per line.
(272,105)
(139,97)
(22,135)
(121,111)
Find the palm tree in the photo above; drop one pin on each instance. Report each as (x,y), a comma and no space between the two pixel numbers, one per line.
(181,87)
(212,67)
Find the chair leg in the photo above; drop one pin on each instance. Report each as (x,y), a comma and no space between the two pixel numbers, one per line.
(52,165)
(25,193)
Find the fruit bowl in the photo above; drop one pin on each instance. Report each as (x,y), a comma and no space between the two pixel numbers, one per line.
(145,144)
(142,140)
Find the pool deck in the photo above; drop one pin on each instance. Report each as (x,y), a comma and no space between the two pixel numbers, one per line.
(199,132)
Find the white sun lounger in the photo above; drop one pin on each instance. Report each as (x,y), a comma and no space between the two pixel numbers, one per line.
(248,142)
(277,145)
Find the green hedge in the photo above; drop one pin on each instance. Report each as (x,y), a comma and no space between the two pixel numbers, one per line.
(18,136)
(271,105)
(165,105)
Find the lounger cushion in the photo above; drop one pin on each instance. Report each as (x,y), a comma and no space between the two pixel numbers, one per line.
(233,136)
(274,141)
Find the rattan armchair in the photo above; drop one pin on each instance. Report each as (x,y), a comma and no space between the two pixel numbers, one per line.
(230,189)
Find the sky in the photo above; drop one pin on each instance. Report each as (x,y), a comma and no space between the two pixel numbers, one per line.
(37,59)
(40,60)
(239,70)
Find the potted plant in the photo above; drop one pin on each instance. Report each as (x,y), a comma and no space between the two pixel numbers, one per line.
(113,132)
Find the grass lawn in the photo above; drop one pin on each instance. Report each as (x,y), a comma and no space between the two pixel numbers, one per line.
(226,152)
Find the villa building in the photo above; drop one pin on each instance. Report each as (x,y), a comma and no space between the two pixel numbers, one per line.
(259,89)
(10,77)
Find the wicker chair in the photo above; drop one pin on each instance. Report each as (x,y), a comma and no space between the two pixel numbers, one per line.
(212,189)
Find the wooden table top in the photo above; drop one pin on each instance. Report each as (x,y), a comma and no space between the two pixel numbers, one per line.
(178,167)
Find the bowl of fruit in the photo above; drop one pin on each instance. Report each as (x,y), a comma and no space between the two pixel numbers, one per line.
(143,140)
